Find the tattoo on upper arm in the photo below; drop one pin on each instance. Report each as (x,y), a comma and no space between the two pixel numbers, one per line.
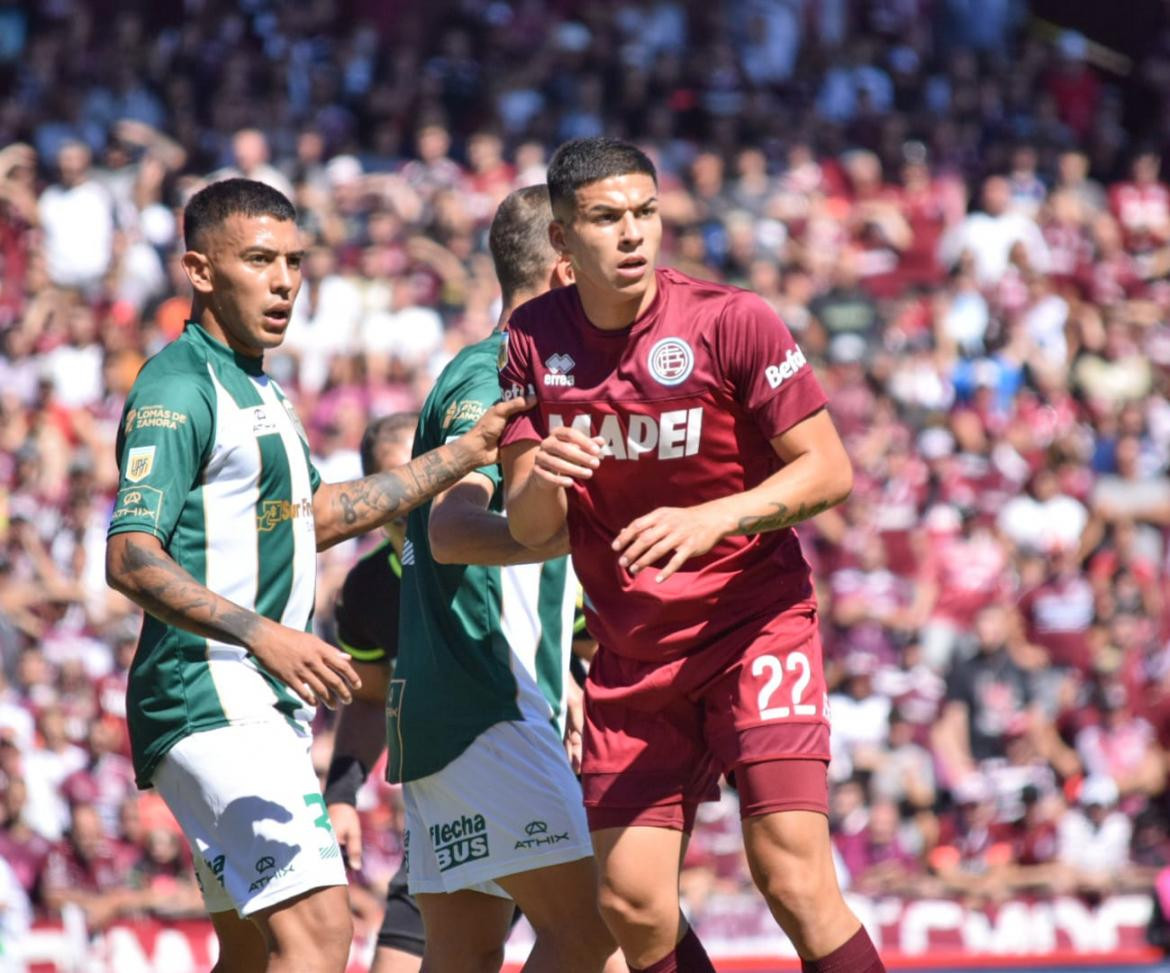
(781,517)
(163,588)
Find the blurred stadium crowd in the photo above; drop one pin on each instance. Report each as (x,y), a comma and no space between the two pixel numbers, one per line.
(944,202)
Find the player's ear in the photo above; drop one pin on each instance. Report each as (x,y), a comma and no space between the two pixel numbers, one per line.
(198,270)
(556,236)
(562,273)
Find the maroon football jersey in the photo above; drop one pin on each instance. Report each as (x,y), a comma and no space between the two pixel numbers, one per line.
(687,399)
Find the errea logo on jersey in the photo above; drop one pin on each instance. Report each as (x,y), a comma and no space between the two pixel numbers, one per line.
(793,362)
(672,435)
(559,367)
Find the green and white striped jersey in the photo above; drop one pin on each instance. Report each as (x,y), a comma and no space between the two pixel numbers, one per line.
(215,464)
(478,645)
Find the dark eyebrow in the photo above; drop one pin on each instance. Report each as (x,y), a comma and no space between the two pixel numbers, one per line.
(600,207)
(269,252)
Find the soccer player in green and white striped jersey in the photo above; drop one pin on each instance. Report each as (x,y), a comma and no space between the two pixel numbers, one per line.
(475,708)
(215,529)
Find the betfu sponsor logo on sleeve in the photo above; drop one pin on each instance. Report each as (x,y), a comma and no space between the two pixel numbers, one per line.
(539,836)
(460,841)
(793,362)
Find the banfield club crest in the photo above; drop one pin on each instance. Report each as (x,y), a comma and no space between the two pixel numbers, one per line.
(671,361)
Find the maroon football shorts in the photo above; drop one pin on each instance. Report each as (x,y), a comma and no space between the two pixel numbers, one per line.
(659,735)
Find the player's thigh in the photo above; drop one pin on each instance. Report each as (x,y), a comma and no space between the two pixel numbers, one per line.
(770,703)
(250,805)
(507,804)
(465,931)
(645,761)
(314,924)
(242,947)
(558,897)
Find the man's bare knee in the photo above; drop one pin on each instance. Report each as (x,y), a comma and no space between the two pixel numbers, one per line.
(629,908)
(788,882)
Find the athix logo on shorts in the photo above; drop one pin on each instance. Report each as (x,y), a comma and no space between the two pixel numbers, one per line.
(793,362)
(670,435)
(460,841)
(671,361)
(559,367)
(263,881)
(538,836)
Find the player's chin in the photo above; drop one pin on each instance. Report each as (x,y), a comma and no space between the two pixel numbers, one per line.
(631,280)
(271,332)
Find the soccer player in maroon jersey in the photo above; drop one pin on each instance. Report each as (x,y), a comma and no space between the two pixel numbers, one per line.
(681,433)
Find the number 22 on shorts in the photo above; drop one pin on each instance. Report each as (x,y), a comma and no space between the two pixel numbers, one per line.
(770,666)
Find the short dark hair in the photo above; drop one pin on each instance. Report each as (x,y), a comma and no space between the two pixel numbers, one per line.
(579,162)
(213,204)
(387,429)
(519,242)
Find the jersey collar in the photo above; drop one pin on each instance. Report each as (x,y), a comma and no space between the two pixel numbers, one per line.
(253,366)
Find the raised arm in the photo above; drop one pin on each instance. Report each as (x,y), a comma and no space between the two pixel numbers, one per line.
(138,566)
(344,510)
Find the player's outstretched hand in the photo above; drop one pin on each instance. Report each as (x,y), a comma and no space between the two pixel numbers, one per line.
(680,532)
(315,670)
(566,454)
(483,439)
(348,829)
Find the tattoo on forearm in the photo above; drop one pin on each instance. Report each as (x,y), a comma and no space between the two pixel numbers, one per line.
(781,517)
(373,500)
(169,593)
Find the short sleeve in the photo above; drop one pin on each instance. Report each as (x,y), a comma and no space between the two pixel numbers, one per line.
(163,442)
(517,379)
(768,373)
(465,406)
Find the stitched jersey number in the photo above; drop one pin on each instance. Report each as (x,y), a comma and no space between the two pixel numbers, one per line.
(775,669)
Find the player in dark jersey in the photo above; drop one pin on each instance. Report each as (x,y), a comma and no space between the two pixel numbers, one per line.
(680,433)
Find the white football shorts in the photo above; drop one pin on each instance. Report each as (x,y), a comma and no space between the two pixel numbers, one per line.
(250,805)
(508,804)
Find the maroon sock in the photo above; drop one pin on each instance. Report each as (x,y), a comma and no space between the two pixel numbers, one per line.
(687,957)
(855,955)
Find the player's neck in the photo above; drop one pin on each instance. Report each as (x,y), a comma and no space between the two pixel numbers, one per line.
(609,311)
(206,319)
(513,302)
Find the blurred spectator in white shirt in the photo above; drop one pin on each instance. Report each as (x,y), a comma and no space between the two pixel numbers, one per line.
(77,217)
(989,234)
